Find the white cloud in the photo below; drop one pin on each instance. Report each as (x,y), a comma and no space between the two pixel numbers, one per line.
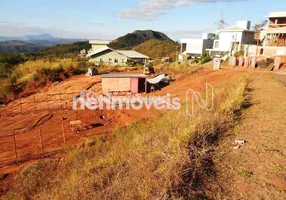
(152,9)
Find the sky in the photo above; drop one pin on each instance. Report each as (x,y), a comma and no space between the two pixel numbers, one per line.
(109,19)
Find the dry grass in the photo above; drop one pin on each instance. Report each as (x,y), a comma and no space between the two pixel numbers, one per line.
(178,70)
(147,160)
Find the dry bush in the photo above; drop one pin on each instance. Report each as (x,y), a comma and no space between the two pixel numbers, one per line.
(153,159)
(178,70)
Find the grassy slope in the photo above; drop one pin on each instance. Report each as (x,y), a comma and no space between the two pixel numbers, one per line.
(157,48)
(151,159)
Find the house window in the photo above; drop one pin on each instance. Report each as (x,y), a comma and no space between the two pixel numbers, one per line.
(216,44)
(110,59)
(261,51)
(115,60)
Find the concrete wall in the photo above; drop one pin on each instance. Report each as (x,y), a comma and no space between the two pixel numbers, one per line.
(193,46)
(116,85)
(265,51)
(247,38)
(226,40)
(196,46)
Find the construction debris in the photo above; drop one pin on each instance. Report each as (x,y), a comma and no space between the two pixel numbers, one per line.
(76,126)
(239,142)
(92,71)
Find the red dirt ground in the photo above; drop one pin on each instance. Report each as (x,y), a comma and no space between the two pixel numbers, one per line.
(29,143)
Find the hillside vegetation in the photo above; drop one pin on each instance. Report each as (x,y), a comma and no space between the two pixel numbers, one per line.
(169,161)
(16,46)
(30,43)
(157,48)
(65,50)
(129,41)
(17,73)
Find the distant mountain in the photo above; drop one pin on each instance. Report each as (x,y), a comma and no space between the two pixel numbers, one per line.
(31,43)
(16,46)
(152,43)
(131,40)
(44,36)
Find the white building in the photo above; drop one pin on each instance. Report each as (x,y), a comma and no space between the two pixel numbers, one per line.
(196,47)
(101,53)
(232,38)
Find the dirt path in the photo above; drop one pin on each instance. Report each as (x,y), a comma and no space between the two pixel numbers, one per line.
(257,170)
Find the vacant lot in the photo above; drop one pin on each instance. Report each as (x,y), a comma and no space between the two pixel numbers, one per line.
(254,171)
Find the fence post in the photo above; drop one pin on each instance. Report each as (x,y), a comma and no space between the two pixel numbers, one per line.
(60,95)
(48,102)
(21,106)
(64,135)
(15,147)
(34,103)
(42,144)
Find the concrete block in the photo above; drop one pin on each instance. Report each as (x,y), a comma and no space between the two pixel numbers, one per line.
(240,62)
(232,61)
(277,63)
(253,62)
(217,64)
(246,62)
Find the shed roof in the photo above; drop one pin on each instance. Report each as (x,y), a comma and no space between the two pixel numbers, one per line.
(129,54)
(100,50)
(132,54)
(99,42)
(123,76)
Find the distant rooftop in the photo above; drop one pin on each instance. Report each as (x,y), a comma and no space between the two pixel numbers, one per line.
(123,76)
(101,42)
(132,54)
(277,14)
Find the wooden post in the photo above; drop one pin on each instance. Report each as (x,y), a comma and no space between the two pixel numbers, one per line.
(48,102)
(15,147)
(42,143)
(34,103)
(21,106)
(60,95)
(64,135)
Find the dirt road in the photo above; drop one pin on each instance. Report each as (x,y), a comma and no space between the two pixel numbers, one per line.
(281,78)
(257,170)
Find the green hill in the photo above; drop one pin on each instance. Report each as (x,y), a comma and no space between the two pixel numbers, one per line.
(15,46)
(64,49)
(157,48)
(131,40)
